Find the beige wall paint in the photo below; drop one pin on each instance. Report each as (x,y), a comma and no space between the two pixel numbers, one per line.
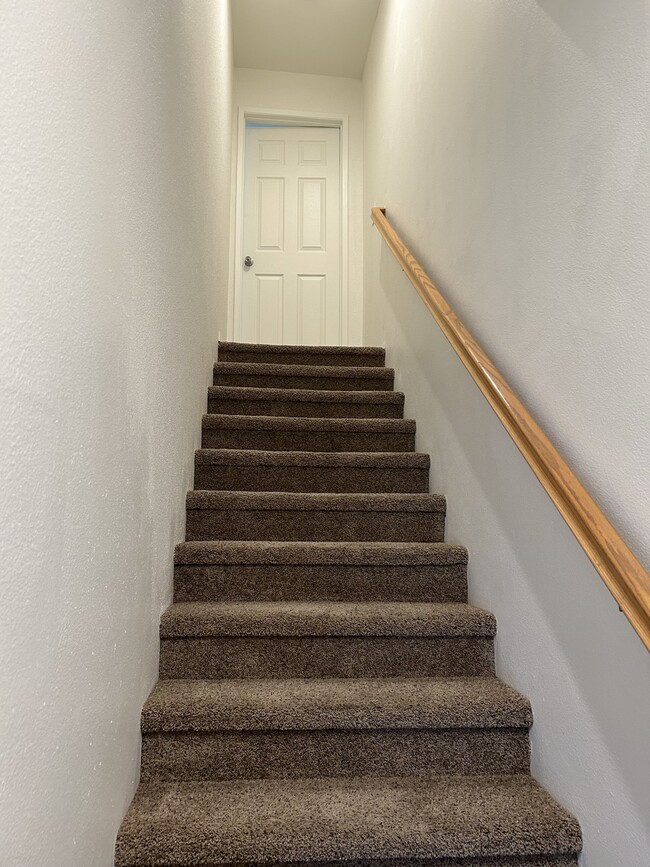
(509,142)
(255,88)
(114,190)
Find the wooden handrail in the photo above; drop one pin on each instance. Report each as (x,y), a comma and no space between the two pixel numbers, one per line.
(625,577)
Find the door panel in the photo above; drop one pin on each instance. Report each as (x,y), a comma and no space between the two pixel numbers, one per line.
(262,303)
(270,214)
(312,301)
(312,201)
(292,230)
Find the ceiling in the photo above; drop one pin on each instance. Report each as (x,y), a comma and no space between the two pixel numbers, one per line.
(321,37)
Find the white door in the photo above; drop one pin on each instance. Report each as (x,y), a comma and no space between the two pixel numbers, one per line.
(290,293)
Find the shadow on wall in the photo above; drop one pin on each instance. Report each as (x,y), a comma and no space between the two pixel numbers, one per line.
(204,116)
(595,34)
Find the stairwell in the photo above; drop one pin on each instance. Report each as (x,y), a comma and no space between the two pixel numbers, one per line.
(326,693)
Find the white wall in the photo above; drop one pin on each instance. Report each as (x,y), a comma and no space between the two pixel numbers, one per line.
(509,142)
(257,88)
(114,192)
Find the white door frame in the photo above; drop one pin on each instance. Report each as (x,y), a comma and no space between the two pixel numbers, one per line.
(288,118)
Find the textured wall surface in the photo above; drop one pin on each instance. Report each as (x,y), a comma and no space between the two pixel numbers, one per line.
(114,190)
(257,88)
(509,142)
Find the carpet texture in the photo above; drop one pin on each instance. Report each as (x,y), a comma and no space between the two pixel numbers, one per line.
(311,472)
(319,356)
(323,571)
(311,403)
(327,696)
(258,515)
(304,376)
(283,433)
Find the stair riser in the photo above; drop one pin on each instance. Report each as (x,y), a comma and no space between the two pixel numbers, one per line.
(280,582)
(338,359)
(214,477)
(313,526)
(314,656)
(285,754)
(320,383)
(519,861)
(305,409)
(276,583)
(307,441)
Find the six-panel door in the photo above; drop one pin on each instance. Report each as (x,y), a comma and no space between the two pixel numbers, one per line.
(292,231)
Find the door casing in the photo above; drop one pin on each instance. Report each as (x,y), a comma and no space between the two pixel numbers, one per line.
(287,118)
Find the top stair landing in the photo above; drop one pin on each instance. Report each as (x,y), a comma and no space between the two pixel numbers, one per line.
(320,356)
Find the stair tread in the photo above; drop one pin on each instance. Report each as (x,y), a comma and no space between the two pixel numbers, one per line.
(321,553)
(306,395)
(307,423)
(262,369)
(174,823)
(286,348)
(258,501)
(331,703)
(259,457)
(202,619)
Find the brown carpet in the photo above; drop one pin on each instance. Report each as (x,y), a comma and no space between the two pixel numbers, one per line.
(329,377)
(311,403)
(326,695)
(284,433)
(311,472)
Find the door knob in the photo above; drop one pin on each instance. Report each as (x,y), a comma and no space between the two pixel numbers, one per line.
(248,261)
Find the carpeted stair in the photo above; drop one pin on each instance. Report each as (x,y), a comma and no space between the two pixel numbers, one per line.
(327,696)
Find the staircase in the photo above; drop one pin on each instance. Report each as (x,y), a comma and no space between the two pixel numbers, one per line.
(326,693)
